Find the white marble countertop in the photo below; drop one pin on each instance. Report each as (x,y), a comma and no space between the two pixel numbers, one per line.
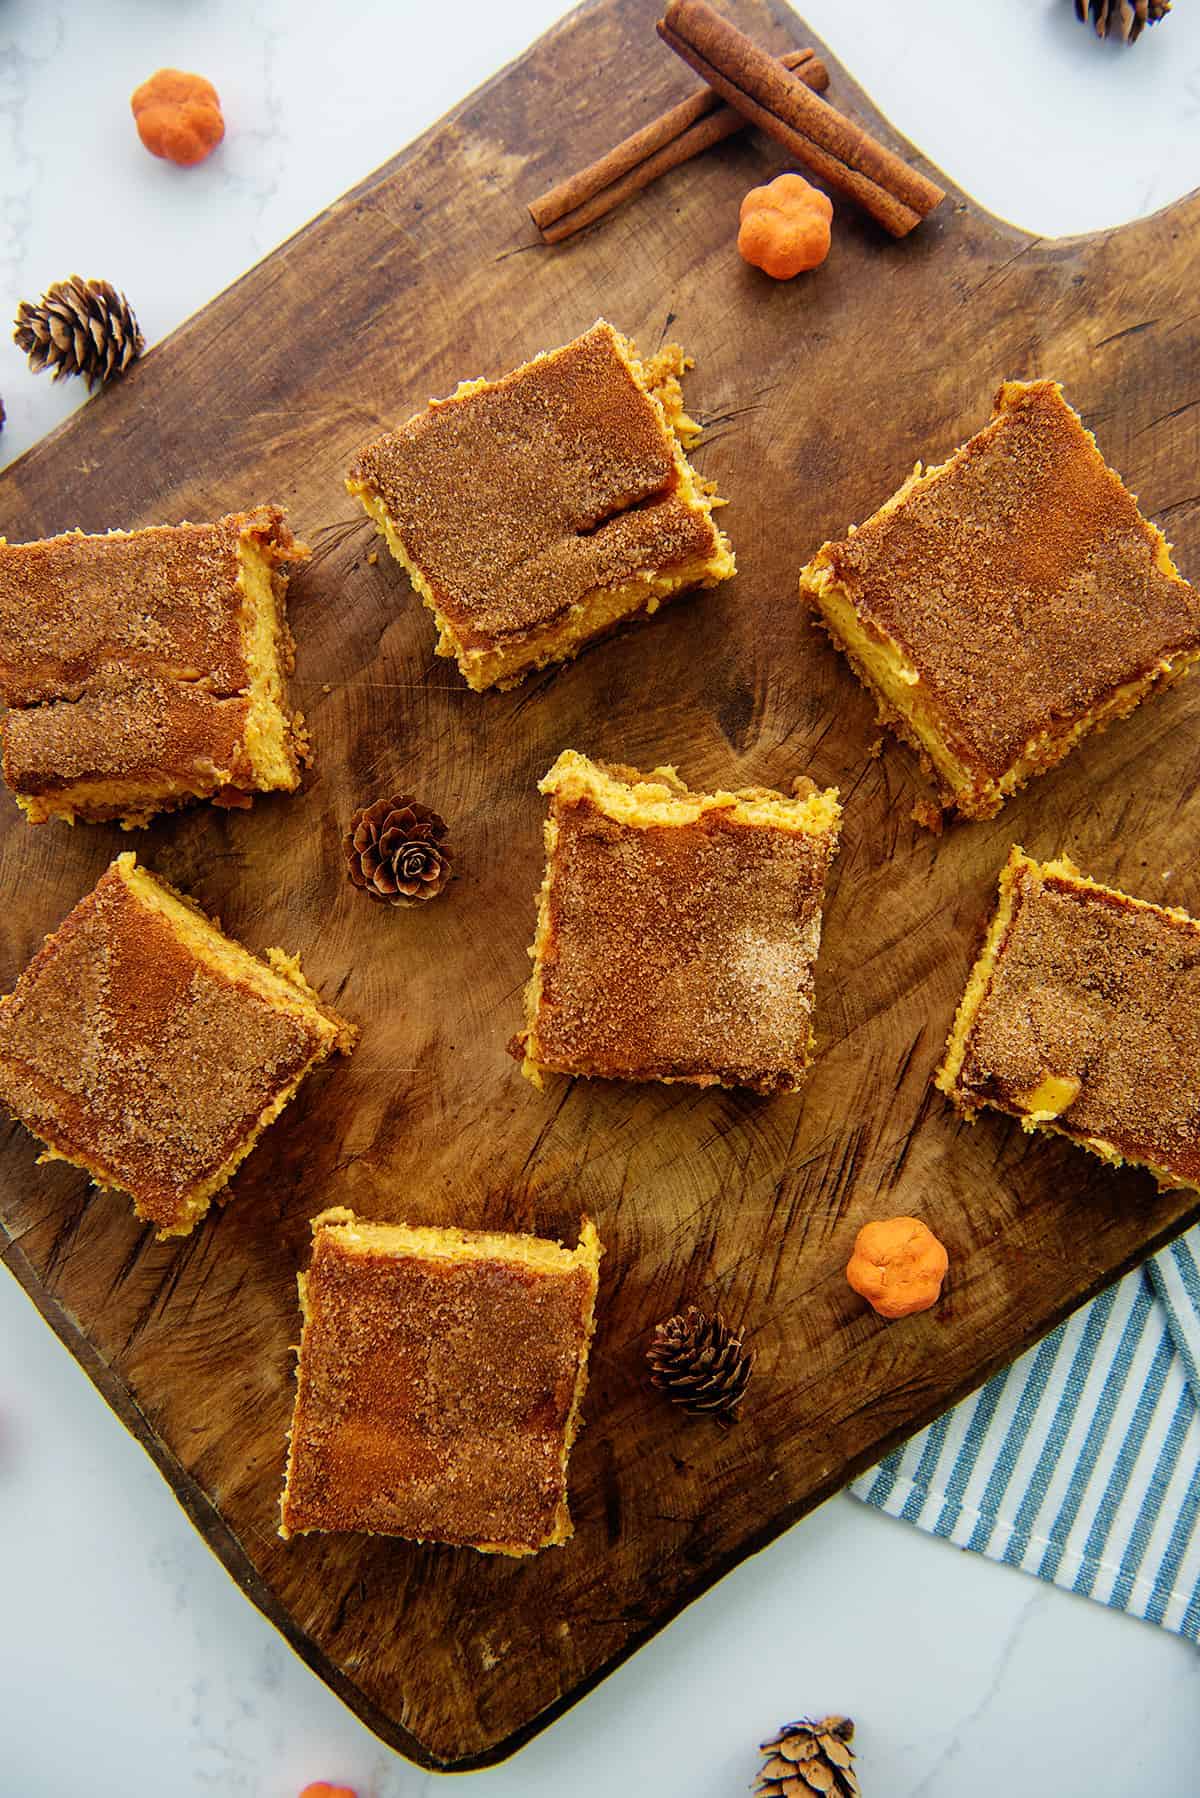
(129,1662)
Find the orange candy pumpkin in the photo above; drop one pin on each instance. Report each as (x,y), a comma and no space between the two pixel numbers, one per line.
(784,226)
(322,1789)
(898,1266)
(178,116)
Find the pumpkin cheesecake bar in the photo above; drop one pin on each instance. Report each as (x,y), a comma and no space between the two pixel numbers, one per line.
(1082,1016)
(143,669)
(144,1046)
(1005,603)
(536,512)
(439,1383)
(677,931)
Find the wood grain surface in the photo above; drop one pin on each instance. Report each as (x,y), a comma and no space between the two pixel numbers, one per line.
(817,396)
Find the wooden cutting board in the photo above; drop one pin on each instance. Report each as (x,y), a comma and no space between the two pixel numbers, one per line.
(817,396)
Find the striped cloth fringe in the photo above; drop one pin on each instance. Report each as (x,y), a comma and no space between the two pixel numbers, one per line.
(1081,1462)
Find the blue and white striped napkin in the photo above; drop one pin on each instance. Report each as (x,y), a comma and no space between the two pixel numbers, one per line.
(1081,1462)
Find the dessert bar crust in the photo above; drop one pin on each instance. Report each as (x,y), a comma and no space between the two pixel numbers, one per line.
(440,1376)
(677,931)
(1004,604)
(537,512)
(109,1040)
(1082,1016)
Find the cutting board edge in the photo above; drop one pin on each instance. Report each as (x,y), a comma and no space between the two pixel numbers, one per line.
(198,1507)
(225,1545)
(569,20)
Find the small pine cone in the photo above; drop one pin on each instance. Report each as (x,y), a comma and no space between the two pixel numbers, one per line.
(1125,19)
(699,1362)
(396,851)
(809,1757)
(79,328)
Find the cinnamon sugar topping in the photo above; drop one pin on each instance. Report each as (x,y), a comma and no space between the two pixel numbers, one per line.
(109,1041)
(516,499)
(1020,580)
(80,614)
(679,950)
(144,668)
(1091,1021)
(152,731)
(438,1384)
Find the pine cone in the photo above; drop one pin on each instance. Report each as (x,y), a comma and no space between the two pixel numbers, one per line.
(1126,19)
(396,851)
(699,1362)
(809,1757)
(79,328)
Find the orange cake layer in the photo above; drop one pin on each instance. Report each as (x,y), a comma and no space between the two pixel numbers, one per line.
(1082,1015)
(146,1047)
(1005,603)
(439,1383)
(536,512)
(143,669)
(677,931)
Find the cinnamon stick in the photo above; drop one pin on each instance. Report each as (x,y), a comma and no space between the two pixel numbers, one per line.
(695,124)
(846,158)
